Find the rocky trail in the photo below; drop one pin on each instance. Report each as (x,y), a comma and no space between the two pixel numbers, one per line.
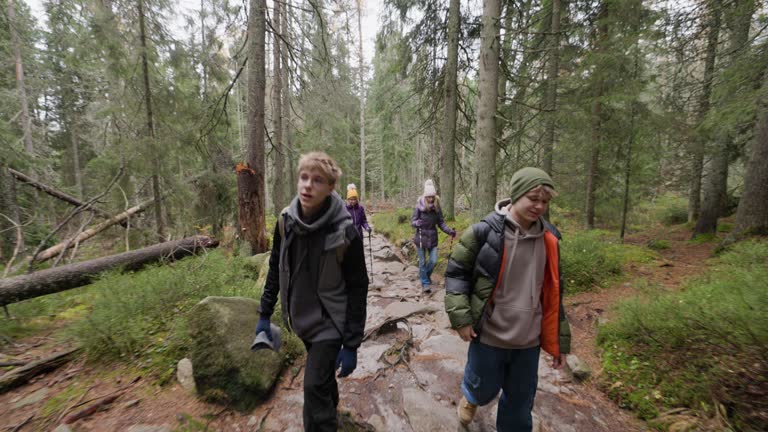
(411,364)
(408,378)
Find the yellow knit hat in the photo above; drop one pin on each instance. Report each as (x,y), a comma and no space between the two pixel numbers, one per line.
(351,191)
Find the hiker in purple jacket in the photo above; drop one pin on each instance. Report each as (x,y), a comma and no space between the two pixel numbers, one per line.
(356,210)
(427,216)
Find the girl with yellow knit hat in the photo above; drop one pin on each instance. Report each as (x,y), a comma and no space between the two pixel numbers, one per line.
(356,210)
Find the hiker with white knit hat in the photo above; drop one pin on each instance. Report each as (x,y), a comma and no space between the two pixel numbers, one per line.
(427,216)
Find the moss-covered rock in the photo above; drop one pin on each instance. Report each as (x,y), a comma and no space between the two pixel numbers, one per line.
(259,264)
(225,369)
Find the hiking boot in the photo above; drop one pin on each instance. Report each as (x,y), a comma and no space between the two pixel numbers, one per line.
(466,411)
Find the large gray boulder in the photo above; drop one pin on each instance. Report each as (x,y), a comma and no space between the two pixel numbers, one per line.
(225,369)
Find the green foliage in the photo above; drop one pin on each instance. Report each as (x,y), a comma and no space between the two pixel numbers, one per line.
(46,313)
(680,349)
(588,261)
(724,227)
(656,244)
(667,209)
(703,238)
(394,224)
(140,315)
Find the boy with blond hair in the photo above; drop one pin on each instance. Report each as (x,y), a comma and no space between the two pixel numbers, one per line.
(317,267)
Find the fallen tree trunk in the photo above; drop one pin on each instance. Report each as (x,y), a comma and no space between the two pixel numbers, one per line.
(70,276)
(23,374)
(85,235)
(20,176)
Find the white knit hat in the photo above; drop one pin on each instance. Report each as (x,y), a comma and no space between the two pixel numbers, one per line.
(429,188)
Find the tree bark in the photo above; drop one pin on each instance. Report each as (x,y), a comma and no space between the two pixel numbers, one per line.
(53,280)
(9,204)
(716,190)
(75,148)
(69,199)
(516,113)
(85,235)
(697,151)
(250,176)
(752,213)
(596,119)
(506,57)
(550,102)
(487,100)
(630,145)
(361,70)
(154,154)
(278,181)
(448,182)
(290,169)
(22,375)
(24,117)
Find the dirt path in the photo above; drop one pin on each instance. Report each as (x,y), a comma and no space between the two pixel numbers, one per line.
(680,261)
(407,379)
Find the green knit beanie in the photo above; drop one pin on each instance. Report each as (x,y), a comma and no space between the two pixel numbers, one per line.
(526,179)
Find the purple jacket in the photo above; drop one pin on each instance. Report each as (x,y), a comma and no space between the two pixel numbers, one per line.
(358,218)
(426,220)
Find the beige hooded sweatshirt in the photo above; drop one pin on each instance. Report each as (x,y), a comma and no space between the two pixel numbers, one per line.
(515,317)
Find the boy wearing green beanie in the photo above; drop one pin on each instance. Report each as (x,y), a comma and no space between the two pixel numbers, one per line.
(504,296)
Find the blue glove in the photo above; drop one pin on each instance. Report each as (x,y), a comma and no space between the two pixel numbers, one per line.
(347,359)
(367,228)
(263,326)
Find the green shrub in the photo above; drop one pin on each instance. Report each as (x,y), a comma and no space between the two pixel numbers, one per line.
(674,216)
(395,225)
(42,314)
(658,244)
(667,209)
(683,348)
(588,260)
(703,238)
(139,316)
(724,227)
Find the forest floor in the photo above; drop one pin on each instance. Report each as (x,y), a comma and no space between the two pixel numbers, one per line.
(680,261)
(408,372)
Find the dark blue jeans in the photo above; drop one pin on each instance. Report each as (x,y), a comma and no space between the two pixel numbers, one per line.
(427,261)
(514,372)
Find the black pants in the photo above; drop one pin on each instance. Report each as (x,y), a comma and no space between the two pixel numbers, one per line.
(321,392)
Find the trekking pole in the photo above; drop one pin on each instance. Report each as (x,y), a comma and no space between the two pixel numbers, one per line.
(370,251)
(418,231)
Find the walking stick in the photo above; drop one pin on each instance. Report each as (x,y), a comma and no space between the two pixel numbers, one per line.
(370,251)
